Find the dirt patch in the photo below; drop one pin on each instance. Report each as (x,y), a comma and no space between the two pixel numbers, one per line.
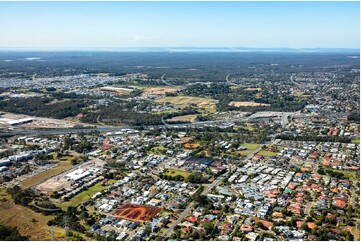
(53,184)
(136,212)
(191,146)
(247,104)
(159,90)
(186,118)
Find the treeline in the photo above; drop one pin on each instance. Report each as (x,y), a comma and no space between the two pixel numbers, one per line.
(191,178)
(112,115)
(21,197)
(225,94)
(8,233)
(71,219)
(185,111)
(354,116)
(332,173)
(312,137)
(43,107)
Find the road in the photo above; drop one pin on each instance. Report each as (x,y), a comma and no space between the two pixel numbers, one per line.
(229,82)
(102,128)
(164,81)
(308,208)
(353,197)
(112,128)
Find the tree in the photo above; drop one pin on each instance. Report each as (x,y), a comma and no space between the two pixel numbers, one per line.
(10,234)
(208,227)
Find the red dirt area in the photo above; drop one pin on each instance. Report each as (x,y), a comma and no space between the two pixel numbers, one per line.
(136,212)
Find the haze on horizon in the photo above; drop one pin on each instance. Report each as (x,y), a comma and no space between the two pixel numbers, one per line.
(42,25)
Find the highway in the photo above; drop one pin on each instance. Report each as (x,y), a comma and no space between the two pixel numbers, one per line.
(108,128)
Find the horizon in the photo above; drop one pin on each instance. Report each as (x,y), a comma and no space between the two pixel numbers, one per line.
(181,49)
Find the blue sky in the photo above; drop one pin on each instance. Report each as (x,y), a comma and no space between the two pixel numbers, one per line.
(173,24)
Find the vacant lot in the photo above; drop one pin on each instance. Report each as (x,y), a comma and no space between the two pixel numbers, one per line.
(253,89)
(174,172)
(355,141)
(183,101)
(184,118)
(82,197)
(191,146)
(64,164)
(159,90)
(27,221)
(137,212)
(267,153)
(247,104)
(250,148)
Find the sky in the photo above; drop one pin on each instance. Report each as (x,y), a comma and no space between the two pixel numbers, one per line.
(179,24)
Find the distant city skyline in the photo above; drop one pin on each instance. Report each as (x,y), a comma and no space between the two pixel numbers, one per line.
(86,25)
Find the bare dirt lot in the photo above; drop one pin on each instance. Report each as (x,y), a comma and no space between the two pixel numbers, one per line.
(159,90)
(247,104)
(136,212)
(40,122)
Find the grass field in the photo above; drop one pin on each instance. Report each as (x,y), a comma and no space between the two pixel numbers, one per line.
(21,217)
(174,172)
(250,148)
(81,197)
(188,118)
(355,141)
(356,233)
(64,164)
(253,89)
(208,104)
(267,153)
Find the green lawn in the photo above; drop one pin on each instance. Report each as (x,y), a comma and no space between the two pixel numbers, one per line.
(174,172)
(250,148)
(355,141)
(82,197)
(356,233)
(267,153)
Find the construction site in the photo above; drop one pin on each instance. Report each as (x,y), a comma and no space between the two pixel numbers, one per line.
(137,213)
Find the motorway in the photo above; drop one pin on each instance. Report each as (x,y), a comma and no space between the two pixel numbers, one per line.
(119,128)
